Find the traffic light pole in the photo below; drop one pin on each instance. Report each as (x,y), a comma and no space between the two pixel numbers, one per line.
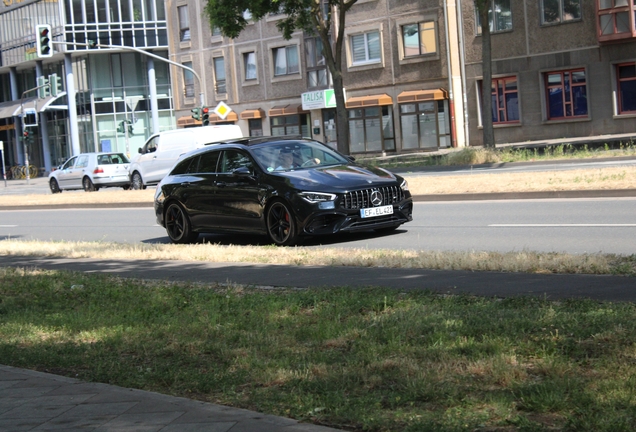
(146,53)
(26,147)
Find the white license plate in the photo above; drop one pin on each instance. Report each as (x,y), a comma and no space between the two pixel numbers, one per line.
(376,211)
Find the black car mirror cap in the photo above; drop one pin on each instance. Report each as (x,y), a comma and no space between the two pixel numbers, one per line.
(242,172)
(139,150)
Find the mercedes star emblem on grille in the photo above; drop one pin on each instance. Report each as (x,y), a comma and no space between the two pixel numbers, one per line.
(376,198)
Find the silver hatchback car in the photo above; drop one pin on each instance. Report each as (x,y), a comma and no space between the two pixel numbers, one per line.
(91,171)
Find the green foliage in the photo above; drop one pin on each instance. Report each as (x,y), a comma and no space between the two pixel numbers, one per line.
(373,359)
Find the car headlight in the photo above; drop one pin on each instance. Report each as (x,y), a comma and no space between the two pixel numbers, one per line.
(159,196)
(325,201)
(404,186)
(316,197)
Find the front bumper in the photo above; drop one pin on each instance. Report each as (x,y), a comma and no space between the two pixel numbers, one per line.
(331,222)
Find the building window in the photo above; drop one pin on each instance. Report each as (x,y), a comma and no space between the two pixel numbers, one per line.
(424,125)
(216,32)
(184,23)
(505,100)
(255,127)
(219,75)
(365,48)
(249,61)
(419,39)
(188,80)
(316,66)
(566,94)
(286,61)
(626,88)
(499,16)
(296,124)
(371,129)
(556,11)
(616,17)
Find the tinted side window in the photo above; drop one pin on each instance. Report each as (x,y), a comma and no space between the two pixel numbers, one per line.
(186,166)
(233,159)
(209,162)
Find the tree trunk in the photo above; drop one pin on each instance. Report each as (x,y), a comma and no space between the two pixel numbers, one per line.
(342,124)
(486,93)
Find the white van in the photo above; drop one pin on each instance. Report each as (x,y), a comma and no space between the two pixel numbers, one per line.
(162,150)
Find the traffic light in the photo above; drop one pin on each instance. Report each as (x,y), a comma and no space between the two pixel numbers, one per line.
(55,84)
(206,116)
(43,87)
(196,113)
(43,40)
(130,127)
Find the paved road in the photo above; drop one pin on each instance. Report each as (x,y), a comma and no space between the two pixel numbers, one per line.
(576,226)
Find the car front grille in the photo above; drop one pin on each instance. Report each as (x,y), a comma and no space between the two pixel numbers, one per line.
(362,198)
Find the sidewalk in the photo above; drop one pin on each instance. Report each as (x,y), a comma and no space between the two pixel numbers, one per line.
(32,400)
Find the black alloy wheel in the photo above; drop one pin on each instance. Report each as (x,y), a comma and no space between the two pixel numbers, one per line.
(88,185)
(55,188)
(178,225)
(137,182)
(281,226)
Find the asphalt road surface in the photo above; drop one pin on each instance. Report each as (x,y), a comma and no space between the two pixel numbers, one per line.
(576,226)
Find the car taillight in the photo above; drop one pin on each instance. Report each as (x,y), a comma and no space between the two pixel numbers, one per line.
(98,170)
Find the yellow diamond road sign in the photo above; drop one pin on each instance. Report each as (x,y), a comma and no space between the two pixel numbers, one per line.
(222,110)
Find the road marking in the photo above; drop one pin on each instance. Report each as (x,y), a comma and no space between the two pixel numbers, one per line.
(8,226)
(562,225)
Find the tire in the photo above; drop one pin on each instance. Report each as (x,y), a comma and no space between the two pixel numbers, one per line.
(55,188)
(178,225)
(137,182)
(281,224)
(88,185)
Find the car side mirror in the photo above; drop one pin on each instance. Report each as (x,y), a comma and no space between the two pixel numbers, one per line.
(242,172)
(139,150)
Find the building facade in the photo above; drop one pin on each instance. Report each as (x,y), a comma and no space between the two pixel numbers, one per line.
(107,100)
(396,72)
(562,69)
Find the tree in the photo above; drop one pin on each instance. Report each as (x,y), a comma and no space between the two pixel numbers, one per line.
(483,9)
(324,18)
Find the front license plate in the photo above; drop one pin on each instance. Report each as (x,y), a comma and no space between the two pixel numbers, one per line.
(376,211)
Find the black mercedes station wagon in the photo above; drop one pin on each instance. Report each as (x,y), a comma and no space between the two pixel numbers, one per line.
(287,188)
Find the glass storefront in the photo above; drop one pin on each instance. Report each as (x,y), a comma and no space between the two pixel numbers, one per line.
(371,129)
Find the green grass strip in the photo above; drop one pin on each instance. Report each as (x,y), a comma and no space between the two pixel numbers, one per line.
(372,360)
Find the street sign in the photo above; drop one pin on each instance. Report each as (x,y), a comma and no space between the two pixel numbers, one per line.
(222,110)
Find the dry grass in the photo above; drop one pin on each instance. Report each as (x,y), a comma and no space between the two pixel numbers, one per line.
(524,261)
(583,179)
(114,195)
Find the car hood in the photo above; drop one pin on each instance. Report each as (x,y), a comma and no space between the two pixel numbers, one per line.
(340,178)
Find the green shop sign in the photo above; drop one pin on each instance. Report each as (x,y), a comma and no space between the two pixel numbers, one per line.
(319,99)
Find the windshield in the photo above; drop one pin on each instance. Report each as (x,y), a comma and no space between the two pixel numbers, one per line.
(292,155)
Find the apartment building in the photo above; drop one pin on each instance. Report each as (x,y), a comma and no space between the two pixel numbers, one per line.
(561,69)
(396,75)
